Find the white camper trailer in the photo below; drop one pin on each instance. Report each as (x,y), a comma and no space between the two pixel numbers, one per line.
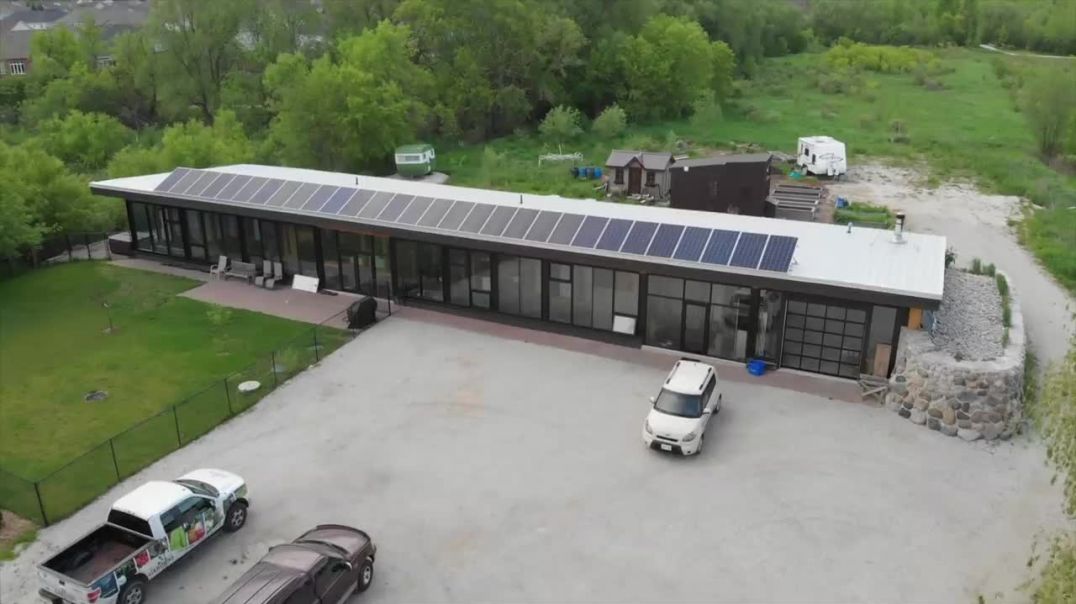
(821,155)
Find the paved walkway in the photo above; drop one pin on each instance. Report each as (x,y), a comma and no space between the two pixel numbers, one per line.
(284,302)
(156,266)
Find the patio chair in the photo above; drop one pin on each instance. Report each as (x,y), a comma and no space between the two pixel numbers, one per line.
(278,275)
(218,269)
(267,273)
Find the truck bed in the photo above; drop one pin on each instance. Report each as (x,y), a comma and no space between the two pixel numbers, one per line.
(96,553)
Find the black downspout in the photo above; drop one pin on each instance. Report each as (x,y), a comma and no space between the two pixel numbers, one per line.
(131,227)
(319,256)
(751,351)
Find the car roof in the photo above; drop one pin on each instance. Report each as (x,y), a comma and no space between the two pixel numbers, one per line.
(152,498)
(688,376)
(262,583)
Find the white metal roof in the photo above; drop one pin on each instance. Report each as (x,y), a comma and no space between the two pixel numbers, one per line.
(688,377)
(152,498)
(826,254)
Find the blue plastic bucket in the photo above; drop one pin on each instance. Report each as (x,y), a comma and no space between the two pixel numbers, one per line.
(756,367)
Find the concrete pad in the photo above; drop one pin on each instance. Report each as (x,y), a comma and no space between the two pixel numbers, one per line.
(490,469)
(282,302)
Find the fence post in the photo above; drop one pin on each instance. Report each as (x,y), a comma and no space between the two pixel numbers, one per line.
(272,368)
(175,415)
(70,256)
(228,397)
(41,505)
(89,251)
(115,464)
(317,357)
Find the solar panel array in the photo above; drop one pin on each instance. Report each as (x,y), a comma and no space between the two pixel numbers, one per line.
(642,238)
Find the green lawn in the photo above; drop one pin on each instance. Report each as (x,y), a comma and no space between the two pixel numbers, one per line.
(165,349)
(969,127)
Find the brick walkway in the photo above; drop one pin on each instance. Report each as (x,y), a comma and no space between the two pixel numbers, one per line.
(820,385)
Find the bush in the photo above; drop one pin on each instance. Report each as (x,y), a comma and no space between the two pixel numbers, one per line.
(561,124)
(610,123)
(882,59)
(989,270)
(1003,285)
(976,267)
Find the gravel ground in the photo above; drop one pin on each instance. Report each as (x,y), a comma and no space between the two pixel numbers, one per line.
(969,320)
(489,469)
(975,225)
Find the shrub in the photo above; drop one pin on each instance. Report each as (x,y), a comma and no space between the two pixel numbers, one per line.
(561,124)
(1003,285)
(882,59)
(950,257)
(989,270)
(976,267)
(1006,313)
(610,123)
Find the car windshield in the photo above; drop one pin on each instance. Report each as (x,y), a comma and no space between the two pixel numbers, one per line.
(675,403)
(199,487)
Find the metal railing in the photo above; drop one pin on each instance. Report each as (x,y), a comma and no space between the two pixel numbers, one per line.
(81,480)
(64,247)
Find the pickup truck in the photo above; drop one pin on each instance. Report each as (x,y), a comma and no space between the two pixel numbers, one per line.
(147,531)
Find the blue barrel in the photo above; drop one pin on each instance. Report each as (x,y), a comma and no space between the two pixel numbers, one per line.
(575,172)
(756,367)
(597,173)
(842,202)
(586,172)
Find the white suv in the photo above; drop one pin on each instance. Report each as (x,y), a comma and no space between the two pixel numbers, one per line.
(688,399)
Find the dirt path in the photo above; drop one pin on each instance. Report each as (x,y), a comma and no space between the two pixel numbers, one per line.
(976,225)
(993,48)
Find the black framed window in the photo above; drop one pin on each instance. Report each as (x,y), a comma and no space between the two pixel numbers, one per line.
(289,249)
(382,274)
(519,286)
(195,235)
(231,244)
(481,279)
(619,176)
(420,270)
(560,292)
(651,178)
(459,282)
(825,337)
(141,226)
(330,259)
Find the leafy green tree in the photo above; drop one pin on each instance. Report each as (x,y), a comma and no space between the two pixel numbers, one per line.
(1049,105)
(610,123)
(84,141)
(200,41)
(192,144)
(17,228)
(351,16)
(137,74)
(54,52)
(82,89)
(670,65)
(561,124)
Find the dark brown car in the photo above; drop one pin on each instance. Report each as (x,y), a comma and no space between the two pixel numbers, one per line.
(324,566)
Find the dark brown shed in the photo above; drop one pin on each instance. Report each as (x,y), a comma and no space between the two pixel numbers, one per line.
(737,184)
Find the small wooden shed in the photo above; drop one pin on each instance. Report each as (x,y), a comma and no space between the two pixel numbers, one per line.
(639,172)
(736,184)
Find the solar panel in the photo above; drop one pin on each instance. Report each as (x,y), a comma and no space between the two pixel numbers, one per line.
(639,238)
(590,231)
(614,234)
(691,244)
(171,180)
(185,182)
(232,188)
(478,217)
(337,201)
(200,185)
(301,195)
(437,211)
(778,254)
(500,218)
(543,226)
(283,193)
(395,208)
(263,194)
(455,216)
(719,249)
(376,204)
(565,229)
(250,189)
(749,250)
(415,211)
(319,198)
(356,203)
(521,223)
(212,190)
(665,241)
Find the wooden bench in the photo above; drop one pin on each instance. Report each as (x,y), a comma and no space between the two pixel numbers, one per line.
(243,270)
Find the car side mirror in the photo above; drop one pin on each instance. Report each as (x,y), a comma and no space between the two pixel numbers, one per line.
(344,564)
(707,411)
(653,400)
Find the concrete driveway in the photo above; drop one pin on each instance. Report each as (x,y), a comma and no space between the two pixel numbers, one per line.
(490,469)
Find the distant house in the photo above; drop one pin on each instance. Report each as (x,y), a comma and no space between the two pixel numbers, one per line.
(639,172)
(19,26)
(735,184)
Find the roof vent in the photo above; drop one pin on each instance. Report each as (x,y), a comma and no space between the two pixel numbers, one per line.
(898,229)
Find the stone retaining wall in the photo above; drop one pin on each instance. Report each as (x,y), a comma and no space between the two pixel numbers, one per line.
(969,399)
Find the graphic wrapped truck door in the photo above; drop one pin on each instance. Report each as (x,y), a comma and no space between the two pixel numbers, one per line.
(188,523)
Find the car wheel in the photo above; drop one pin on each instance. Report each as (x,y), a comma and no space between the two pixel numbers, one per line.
(366,575)
(235,517)
(133,593)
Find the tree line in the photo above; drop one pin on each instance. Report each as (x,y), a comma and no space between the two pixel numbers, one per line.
(338,86)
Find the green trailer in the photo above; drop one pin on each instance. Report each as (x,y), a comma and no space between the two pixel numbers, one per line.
(415,160)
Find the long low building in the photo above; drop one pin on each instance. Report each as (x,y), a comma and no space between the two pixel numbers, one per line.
(815,297)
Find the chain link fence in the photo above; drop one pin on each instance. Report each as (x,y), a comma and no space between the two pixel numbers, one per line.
(65,247)
(83,479)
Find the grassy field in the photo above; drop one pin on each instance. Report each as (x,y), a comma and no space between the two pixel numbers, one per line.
(960,122)
(164,350)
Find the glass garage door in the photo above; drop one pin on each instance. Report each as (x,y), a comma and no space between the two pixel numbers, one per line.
(824,338)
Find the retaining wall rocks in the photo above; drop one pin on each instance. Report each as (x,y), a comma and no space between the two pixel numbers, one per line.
(964,398)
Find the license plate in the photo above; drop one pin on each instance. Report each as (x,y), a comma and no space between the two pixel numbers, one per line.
(666,447)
